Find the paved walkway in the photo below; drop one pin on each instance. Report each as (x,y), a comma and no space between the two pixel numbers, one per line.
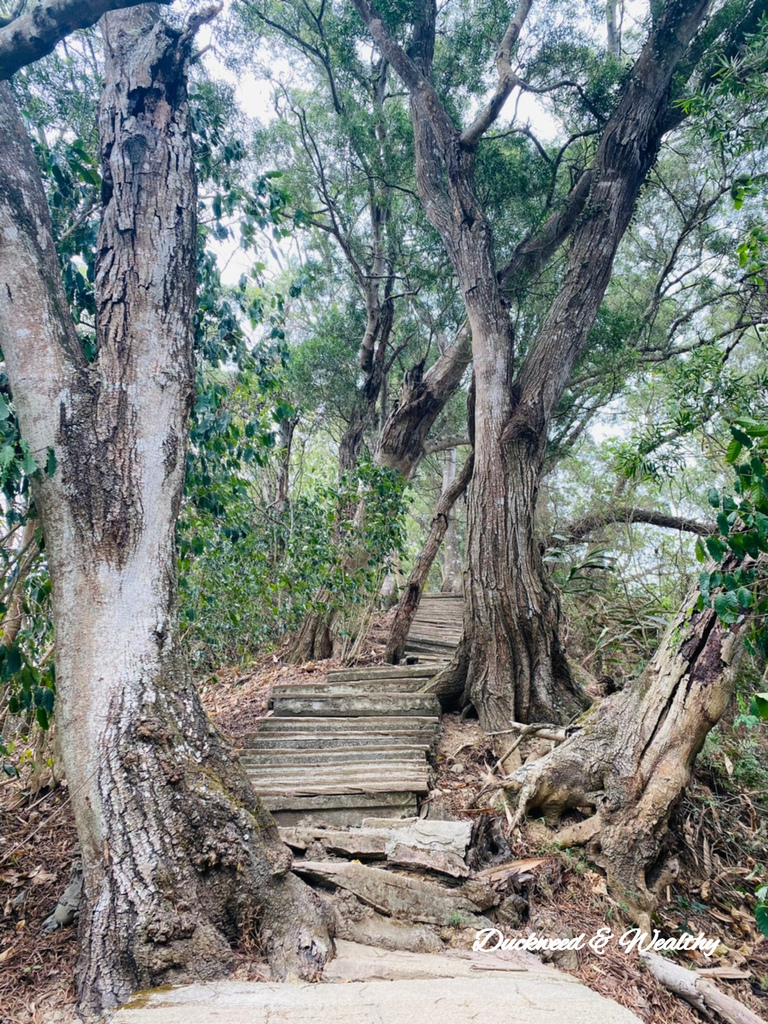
(399,988)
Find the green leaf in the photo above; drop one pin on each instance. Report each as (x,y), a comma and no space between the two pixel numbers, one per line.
(759,705)
(723,524)
(733,450)
(50,463)
(701,555)
(28,464)
(714,497)
(761,916)
(715,547)
(726,607)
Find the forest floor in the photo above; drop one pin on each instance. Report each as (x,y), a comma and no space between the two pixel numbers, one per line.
(721,831)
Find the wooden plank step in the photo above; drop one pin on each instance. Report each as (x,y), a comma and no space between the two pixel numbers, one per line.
(392,724)
(342,809)
(341,755)
(384,773)
(372,687)
(339,787)
(396,704)
(343,675)
(358,741)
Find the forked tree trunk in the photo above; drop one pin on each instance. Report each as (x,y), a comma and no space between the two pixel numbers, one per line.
(633,755)
(509,660)
(314,641)
(414,588)
(179,857)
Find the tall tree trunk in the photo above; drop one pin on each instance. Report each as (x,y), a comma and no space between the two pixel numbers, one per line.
(510,664)
(633,754)
(451,582)
(414,588)
(178,855)
(510,660)
(285,431)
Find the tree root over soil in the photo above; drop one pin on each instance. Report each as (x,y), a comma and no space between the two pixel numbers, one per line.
(632,757)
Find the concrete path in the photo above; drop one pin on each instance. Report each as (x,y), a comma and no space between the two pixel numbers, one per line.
(366,985)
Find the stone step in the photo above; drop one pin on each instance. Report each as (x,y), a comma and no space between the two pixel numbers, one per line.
(396,704)
(298,743)
(343,755)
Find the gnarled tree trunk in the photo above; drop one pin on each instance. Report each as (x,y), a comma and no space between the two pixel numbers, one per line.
(633,754)
(178,855)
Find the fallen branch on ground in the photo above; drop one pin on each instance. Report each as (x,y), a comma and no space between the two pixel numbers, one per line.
(700,992)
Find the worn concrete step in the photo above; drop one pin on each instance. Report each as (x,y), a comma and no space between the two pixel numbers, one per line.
(396,704)
(342,675)
(298,743)
(343,755)
(364,723)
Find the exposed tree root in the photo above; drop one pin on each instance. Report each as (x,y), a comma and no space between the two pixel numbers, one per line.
(632,757)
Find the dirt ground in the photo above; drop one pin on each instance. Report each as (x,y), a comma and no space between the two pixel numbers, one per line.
(721,835)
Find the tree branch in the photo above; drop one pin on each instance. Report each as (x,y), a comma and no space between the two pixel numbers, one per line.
(44,23)
(579,529)
(507,80)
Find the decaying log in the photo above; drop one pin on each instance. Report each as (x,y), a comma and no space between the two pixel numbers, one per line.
(699,992)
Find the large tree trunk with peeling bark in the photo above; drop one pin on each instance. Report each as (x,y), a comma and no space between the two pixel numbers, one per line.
(632,756)
(179,857)
(510,665)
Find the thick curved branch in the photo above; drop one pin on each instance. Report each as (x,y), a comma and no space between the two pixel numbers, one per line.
(422,399)
(44,23)
(533,253)
(581,528)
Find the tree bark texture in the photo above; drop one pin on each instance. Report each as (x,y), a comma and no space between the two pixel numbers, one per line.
(41,24)
(414,588)
(178,855)
(632,756)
